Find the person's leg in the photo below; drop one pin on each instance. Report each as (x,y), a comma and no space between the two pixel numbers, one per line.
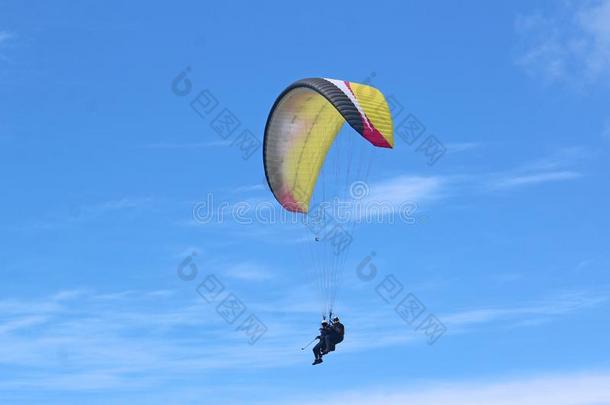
(317,349)
(327,343)
(331,340)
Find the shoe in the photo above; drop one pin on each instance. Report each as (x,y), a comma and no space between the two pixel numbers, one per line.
(316,361)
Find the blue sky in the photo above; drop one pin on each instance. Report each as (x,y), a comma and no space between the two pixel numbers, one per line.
(103,165)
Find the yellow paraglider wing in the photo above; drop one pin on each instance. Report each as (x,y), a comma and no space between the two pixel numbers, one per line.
(302,127)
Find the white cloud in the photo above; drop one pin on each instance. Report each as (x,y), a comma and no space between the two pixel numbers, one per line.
(248,271)
(85,213)
(558,166)
(392,200)
(573,45)
(5,36)
(567,389)
(67,295)
(403,188)
(253,187)
(192,145)
(70,337)
(521,180)
(594,21)
(606,131)
(554,306)
(21,323)
(561,165)
(560,159)
(461,146)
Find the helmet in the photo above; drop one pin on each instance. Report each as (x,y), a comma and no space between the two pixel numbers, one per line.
(324,322)
(336,319)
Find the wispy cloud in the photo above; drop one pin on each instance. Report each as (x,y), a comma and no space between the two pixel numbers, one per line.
(461,146)
(561,165)
(572,45)
(88,212)
(248,271)
(192,145)
(396,198)
(566,389)
(93,331)
(67,295)
(606,131)
(115,205)
(551,307)
(250,188)
(558,166)
(79,340)
(399,189)
(521,180)
(5,36)
(22,323)
(560,159)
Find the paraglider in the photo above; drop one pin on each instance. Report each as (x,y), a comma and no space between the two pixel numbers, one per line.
(335,336)
(303,152)
(321,348)
(331,334)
